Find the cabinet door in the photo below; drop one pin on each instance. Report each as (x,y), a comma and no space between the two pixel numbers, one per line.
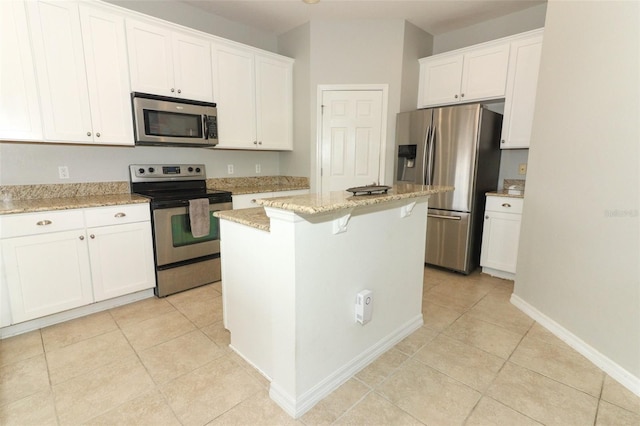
(47,273)
(440,81)
(484,73)
(19,104)
(121,259)
(274,102)
(59,59)
(107,69)
(520,97)
(500,238)
(192,61)
(150,58)
(234,92)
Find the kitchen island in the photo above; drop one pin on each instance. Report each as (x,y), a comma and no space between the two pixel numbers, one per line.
(291,273)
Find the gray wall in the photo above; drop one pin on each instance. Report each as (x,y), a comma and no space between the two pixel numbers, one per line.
(579,247)
(297,44)
(189,16)
(514,23)
(22,163)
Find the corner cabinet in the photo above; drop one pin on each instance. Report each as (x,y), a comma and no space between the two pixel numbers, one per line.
(82,73)
(471,75)
(58,260)
(254,93)
(168,63)
(520,99)
(501,236)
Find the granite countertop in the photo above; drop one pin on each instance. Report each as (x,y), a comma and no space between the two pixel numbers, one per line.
(504,193)
(44,204)
(313,204)
(256,185)
(42,197)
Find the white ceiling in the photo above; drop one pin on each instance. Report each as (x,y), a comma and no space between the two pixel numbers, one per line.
(433,16)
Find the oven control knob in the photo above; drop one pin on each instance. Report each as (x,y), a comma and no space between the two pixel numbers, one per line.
(151,170)
(190,169)
(197,169)
(141,170)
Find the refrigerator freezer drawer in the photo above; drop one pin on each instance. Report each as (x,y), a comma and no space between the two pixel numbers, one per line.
(447,239)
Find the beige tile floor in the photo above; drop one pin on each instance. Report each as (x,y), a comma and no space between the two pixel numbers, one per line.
(477,361)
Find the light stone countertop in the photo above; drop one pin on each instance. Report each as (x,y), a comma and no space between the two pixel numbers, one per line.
(44,204)
(313,204)
(504,193)
(42,197)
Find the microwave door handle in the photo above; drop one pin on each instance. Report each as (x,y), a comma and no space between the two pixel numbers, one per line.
(205,124)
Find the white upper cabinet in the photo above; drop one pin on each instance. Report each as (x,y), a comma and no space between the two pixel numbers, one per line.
(168,63)
(522,82)
(82,102)
(472,75)
(254,96)
(19,104)
(105,49)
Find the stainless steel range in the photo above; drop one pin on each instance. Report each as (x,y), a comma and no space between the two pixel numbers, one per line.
(183,261)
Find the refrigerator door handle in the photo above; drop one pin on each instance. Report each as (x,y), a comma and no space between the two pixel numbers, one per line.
(431,157)
(440,216)
(427,137)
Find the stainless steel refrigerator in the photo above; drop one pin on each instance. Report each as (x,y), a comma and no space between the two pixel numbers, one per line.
(455,146)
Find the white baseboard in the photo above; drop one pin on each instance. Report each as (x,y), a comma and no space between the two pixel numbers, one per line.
(614,370)
(500,274)
(82,311)
(296,407)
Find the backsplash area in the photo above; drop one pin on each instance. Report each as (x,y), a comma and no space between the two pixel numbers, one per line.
(510,161)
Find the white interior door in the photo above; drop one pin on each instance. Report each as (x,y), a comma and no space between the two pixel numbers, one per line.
(352,123)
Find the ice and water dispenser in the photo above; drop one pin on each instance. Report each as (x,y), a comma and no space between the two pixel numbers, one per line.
(406,167)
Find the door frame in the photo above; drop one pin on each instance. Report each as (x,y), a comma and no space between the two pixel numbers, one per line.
(384,88)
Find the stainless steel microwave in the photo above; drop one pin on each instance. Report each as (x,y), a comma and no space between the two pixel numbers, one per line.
(160,120)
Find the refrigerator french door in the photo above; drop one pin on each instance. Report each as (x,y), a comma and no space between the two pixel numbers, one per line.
(452,146)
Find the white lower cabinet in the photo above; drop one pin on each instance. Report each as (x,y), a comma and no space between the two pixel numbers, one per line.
(501,235)
(55,261)
(245,201)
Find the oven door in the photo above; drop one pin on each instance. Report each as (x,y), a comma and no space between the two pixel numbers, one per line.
(173,239)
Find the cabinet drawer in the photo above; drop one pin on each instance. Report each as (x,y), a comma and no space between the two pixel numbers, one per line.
(504,204)
(116,215)
(17,225)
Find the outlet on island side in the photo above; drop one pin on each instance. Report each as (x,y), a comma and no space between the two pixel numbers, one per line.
(63,172)
(229,169)
(258,168)
(522,169)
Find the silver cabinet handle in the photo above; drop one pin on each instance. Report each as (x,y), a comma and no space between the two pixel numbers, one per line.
(462,95)
(440,216)
(119,214)
(456,96)
(179,91)
(92,236)
(486,217)
(255,142)
(88,133)
(506,205)
(173,90)
(81,237)
(44,222)
(502,141)
(253,201)
(260,143)
(98,134)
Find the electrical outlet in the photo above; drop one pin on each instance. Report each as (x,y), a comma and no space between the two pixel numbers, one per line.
(63,172)
(258,168)
(522,169)
(230,169)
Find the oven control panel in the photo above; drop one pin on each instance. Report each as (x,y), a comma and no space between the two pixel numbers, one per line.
(165,172)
